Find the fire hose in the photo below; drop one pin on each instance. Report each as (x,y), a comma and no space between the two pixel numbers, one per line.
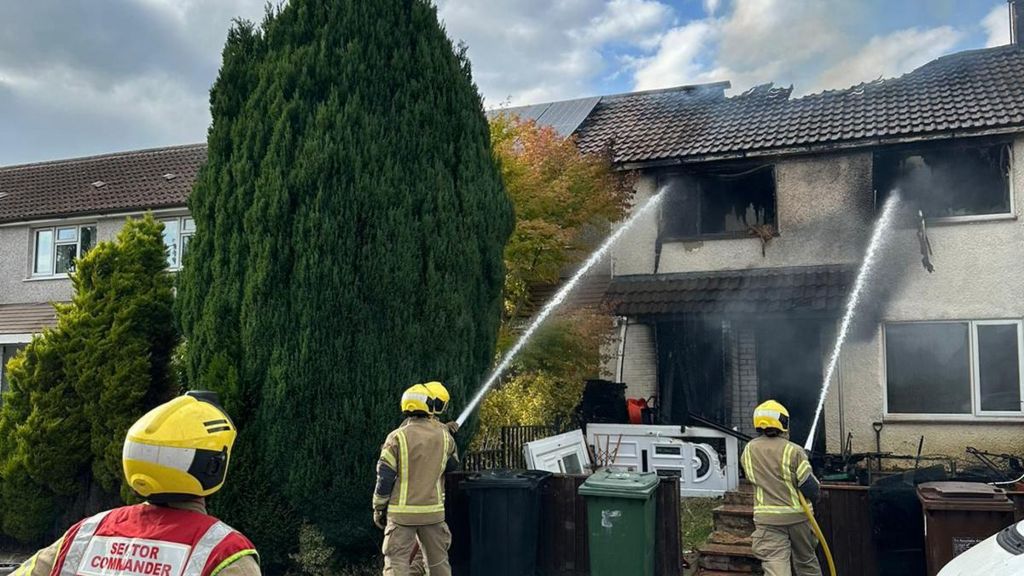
(818,534)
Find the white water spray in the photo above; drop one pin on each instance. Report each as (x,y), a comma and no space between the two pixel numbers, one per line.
(557,300)
(866,268)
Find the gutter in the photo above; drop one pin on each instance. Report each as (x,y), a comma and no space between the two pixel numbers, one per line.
(59,218)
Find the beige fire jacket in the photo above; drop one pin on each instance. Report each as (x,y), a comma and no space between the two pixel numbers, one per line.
(411,469)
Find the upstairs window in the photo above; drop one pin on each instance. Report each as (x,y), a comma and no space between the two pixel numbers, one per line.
(178,233)
(948,181)
(55,249)
(728,202)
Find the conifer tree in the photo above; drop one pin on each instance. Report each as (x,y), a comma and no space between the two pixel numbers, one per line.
(77,388)
(351,221)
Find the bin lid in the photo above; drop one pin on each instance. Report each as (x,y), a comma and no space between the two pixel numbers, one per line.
(504,479)
(620,484)
(962,496)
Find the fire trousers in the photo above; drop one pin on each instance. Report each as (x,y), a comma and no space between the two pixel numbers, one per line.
(787,550)
(400,545)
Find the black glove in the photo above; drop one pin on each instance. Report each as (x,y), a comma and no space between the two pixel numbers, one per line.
(380,518)
(453,427)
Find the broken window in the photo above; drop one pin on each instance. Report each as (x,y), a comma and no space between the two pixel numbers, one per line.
(954,367)
(948,181)
(730,202)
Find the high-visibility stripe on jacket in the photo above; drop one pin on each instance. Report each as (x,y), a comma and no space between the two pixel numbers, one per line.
(418,451)
(776,467)
(153,540)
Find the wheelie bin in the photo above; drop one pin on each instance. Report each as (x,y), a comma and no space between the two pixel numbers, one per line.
(958,515)
(504,521)
(620,522)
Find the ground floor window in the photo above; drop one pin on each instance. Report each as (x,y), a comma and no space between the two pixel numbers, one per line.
(955,368)
(7,351)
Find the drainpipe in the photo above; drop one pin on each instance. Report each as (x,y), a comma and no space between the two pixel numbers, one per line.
(623,327)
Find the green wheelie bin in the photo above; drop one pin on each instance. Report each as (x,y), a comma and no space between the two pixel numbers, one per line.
(620,522)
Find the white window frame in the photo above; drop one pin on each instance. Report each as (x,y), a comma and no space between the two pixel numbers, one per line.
(34,236)
(976,414)
(180,240)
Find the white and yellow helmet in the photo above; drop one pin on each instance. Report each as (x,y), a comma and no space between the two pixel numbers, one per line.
(180,449)
(428,398)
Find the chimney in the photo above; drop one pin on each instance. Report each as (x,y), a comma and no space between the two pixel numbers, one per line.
(1017,22)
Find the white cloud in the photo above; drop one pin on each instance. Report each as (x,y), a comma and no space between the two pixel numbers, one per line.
(676,61)
(711,6)
(891,55)
(997,26)
(528,51)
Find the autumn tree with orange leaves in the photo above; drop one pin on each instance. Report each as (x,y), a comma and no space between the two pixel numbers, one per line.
(565,202)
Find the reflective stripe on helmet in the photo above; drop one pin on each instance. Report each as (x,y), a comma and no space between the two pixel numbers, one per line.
(767,413)
(77,548)
(167,456)
(203,549)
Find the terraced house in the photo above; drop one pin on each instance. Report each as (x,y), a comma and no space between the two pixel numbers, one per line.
(54,212)
(733,292)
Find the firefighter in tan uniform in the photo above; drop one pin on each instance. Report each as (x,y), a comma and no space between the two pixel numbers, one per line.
(173,457)
(779,470)
(408,502)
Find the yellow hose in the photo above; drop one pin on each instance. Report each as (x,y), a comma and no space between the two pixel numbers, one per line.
(817,532)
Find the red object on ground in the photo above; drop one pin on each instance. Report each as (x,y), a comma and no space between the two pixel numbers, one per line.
(636,407)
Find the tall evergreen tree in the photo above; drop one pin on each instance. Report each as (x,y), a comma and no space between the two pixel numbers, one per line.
(351,221)
(77,388)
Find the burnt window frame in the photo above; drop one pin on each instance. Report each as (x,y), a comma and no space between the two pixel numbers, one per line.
(976,413)
(922,147)
(664,176)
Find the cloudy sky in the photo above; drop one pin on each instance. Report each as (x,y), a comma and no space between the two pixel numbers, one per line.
(84,77)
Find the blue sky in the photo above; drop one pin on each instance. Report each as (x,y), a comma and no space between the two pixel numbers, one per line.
(80,78)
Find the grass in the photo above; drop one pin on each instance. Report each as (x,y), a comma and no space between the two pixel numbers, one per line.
(697,520)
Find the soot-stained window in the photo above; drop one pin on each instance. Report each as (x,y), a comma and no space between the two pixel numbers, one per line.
(729,202)
(948,181)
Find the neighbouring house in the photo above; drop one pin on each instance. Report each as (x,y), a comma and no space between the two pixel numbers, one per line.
(733,292)
(53,212)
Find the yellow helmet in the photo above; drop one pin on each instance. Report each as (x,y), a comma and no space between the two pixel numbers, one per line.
(180,449)
(437,397)
(771,414)
(414,399)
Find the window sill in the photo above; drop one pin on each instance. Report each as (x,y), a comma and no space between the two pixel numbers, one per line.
(46,278)
(949,220)
(951,419)
(710,237)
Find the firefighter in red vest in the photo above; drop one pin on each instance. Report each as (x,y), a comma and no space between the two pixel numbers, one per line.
(174,457)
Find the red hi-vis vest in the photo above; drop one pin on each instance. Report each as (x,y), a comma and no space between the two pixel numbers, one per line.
(148,540)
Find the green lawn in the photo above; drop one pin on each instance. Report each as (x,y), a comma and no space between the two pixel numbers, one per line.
(697,522)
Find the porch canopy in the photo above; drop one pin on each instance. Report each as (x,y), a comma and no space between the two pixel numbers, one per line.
(809,289)
(19,321)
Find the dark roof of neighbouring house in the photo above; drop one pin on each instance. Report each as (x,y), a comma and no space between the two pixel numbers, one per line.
(818,289)
(137,180)
(26,318)
(564,116)
(956,95)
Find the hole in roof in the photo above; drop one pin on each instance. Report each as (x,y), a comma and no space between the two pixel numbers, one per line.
(170,176)
(99,184)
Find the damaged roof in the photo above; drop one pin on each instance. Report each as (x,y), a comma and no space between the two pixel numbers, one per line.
(126,181)
(961,94)
(819,289)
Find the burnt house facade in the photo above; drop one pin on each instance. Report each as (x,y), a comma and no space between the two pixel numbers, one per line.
(733,292)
